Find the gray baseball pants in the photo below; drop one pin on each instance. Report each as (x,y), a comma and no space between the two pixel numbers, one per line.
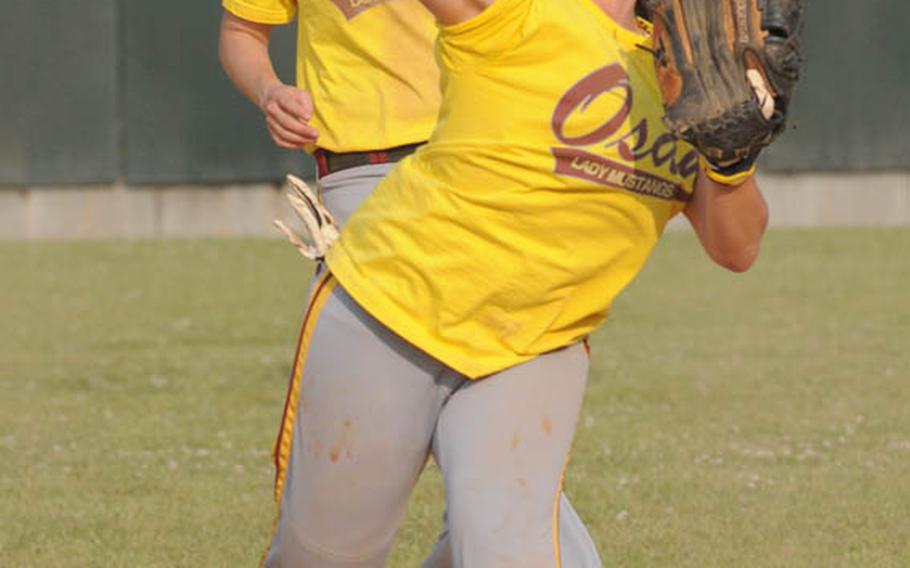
(366,409)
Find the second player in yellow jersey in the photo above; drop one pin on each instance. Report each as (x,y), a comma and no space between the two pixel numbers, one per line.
(368,65)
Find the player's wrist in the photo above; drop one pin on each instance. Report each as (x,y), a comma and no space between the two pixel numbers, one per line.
(266,91)
(730,175)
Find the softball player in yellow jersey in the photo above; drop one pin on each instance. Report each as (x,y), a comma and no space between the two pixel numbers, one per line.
(367,95)
(460,293)
(367,89)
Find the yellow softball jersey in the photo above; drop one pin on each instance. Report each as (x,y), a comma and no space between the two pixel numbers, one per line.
(541,193)
(368,64)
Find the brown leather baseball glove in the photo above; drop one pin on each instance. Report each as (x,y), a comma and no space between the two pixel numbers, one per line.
(726,69)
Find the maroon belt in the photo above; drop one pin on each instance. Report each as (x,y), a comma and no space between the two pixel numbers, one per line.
(330,162)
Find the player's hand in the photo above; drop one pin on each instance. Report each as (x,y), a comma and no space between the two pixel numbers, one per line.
(288,111)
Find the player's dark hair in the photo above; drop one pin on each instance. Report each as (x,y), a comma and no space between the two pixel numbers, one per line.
(643,10)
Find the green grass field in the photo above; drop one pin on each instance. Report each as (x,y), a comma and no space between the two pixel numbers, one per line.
(731,420)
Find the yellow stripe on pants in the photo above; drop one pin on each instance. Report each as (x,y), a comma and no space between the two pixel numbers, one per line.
(282,450)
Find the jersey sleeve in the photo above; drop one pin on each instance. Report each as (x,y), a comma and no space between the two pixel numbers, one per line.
(262,11)
(485,36)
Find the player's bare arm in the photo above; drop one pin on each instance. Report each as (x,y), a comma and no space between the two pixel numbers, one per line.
(244,53)
(726,90)
(729,221)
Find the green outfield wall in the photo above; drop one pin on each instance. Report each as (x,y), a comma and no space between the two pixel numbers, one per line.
(98,91)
